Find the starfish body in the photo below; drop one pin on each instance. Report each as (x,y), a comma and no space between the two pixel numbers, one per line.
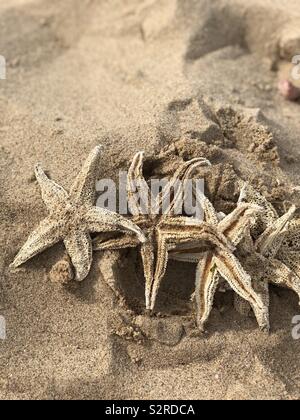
(72,218)
(267,250)
(215,263)
(163,230)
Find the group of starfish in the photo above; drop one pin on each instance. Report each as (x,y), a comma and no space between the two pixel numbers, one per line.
(248,248)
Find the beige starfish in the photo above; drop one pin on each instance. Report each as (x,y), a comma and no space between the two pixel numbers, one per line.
(163,230)
(266,250)
(216,263)
(72,217)
(289,252)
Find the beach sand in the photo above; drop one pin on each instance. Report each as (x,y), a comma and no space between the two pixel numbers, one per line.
(177,79)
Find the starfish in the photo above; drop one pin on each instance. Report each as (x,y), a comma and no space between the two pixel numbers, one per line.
(72,218)
(162,228)
(290,247)
(215,263)
(267,249)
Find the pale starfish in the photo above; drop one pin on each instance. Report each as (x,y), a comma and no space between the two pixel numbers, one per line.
(215,263)
(265,252)
(289,252)
(72,217)
(161,227)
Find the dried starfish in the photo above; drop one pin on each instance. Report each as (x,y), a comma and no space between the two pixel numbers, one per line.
(161,227)
(265,251)
(216,263)
(72,217)
(289,252)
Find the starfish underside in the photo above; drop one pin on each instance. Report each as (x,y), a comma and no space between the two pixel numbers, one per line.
(72,217)
(163,229)
(217,264)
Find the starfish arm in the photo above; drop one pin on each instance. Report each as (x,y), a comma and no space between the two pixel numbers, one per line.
(53,194)
(136,184)
(160,267)
(174,190)
(268,216)
(84,188)
(235,225)
(102,220)
(207,280)
(270,241)
(260,286)
(183,230)
(118,242)
(250,195)
(210,214)
(279,273)
(291,259)
(141,220)
(174,232)
(148,257)
(79,247)
(291,238)
(43,237)
(230,268)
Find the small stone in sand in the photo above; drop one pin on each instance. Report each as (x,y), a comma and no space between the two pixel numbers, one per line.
(288,90)
(62,272)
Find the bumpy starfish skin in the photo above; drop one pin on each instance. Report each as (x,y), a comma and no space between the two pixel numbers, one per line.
(72,217)
(217,263)
(269,256)
(163,230)
(267,216)
(289,252)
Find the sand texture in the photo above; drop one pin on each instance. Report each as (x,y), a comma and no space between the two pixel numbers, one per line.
(178,79)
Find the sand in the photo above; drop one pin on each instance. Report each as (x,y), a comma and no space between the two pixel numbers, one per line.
(176,78)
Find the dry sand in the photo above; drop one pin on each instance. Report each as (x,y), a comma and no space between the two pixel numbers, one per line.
(176,78)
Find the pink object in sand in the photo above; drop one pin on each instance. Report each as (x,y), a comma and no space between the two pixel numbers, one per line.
(288,90)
